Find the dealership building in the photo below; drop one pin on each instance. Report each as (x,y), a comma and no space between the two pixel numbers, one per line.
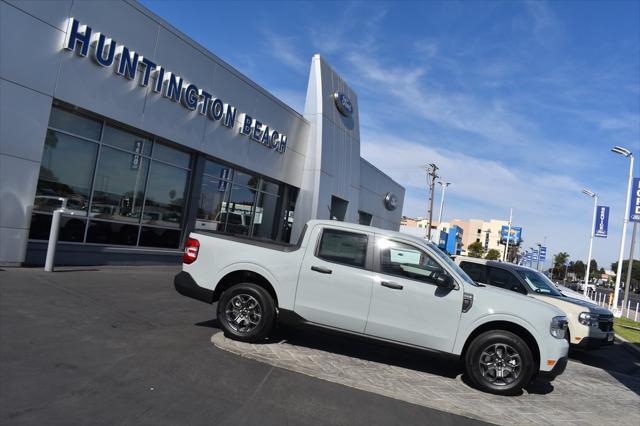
(143,135)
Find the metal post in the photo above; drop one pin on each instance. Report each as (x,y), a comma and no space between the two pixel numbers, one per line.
(506,250)
(632,250)
(593,225)
(444,190)
(624,234)
(637,306)
(539,251)
(53,240)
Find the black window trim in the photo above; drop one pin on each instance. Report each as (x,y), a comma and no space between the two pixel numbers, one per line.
(368,259)
(378,262)
(524,286)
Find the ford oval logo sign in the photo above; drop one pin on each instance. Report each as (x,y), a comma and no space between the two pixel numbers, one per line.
(390,201)
(343,103)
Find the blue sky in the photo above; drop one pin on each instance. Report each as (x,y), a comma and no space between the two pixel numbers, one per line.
(517,102)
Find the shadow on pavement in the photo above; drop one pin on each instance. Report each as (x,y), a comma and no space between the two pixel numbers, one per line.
(617,361)
(359,347)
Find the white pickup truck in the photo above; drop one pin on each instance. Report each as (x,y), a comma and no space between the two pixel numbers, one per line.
(379,284)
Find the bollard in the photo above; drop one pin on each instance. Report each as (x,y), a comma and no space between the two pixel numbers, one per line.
(53,240)
(637,305)
(628,307)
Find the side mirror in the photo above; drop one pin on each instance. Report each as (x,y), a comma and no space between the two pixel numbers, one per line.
(444,280)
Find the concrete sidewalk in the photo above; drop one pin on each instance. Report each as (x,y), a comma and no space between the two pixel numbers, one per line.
(118,345)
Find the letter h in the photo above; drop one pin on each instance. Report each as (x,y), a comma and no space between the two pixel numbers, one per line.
(78,34)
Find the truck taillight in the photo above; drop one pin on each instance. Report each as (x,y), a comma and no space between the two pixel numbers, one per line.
(191,251)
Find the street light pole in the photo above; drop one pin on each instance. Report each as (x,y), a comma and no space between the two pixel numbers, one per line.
(538,264)
(623,151)
(593,225)
(444,190)
(627,283)
(506,250)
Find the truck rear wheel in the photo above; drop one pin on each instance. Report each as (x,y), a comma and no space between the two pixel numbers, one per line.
(246,312)
(499,362)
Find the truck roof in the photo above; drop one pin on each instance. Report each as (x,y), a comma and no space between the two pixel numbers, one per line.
(367,228)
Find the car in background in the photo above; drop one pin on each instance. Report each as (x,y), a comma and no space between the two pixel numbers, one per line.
(590,326)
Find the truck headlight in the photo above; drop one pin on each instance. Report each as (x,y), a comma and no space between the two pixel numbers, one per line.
(558,327)
(588,319)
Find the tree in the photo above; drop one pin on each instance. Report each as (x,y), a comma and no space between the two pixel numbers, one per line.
(578,268)
(559,262)
(493,254)
(593,269)
(635,272)
(476,249)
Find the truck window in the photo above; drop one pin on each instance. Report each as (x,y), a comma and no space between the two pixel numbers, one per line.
(343,247)
(407,261)
(476,271)
(504,279)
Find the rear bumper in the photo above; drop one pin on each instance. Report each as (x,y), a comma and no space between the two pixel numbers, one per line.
(186,286)
(557,370)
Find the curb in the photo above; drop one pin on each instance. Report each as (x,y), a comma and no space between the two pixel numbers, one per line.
(628,346)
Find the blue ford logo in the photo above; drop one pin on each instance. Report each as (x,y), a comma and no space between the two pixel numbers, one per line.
(343,103)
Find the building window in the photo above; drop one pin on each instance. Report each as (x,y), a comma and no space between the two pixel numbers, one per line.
(240,203)
(364,218)
(116,179)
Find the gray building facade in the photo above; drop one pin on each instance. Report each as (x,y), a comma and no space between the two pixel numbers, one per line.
(142,135)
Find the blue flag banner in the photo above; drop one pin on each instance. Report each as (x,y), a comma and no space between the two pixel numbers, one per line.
(634,206)
(602,222)
(543,254)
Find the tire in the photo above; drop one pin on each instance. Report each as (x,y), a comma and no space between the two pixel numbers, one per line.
(504,349)
(246,312)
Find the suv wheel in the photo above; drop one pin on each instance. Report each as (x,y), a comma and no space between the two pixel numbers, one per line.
(246,312)
(499,362)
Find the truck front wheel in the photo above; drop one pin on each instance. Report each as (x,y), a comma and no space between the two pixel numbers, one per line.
(246,312)
(499,362)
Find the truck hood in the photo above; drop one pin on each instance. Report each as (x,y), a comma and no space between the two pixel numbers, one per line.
(505,301)
(559,301)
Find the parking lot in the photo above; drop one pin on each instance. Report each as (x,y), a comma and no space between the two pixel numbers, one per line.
(119,346)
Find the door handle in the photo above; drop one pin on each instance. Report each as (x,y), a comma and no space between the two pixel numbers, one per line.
(321,269)
(392,285)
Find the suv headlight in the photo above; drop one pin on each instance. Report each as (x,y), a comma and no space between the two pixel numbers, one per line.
(588,319)
(558,327)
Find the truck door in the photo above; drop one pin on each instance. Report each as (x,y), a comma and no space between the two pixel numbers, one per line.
(334,286)
(406,303)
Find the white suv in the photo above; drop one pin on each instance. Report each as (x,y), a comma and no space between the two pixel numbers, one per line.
(590,326)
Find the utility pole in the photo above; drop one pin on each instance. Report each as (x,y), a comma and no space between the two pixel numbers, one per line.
(627,283)
(431,183)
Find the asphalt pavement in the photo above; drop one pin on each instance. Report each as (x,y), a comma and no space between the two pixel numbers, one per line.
(117,345)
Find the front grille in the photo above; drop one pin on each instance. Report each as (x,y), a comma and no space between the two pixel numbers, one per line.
(605,323)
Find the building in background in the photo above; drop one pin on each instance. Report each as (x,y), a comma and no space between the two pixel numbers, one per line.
(143,135)
(465,232)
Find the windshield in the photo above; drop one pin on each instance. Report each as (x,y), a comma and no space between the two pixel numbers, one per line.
(539,282)
(453,265)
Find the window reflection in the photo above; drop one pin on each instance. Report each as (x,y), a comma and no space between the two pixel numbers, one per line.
(213,194)
(74,123)
(125,140)
(119,186)
(112,233)
(265,216)
(171,155)
(166,190)
(66,172)
(237,212)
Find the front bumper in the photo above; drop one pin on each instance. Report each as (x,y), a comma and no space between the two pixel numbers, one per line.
(186,286)
(557,369)
(593,342)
